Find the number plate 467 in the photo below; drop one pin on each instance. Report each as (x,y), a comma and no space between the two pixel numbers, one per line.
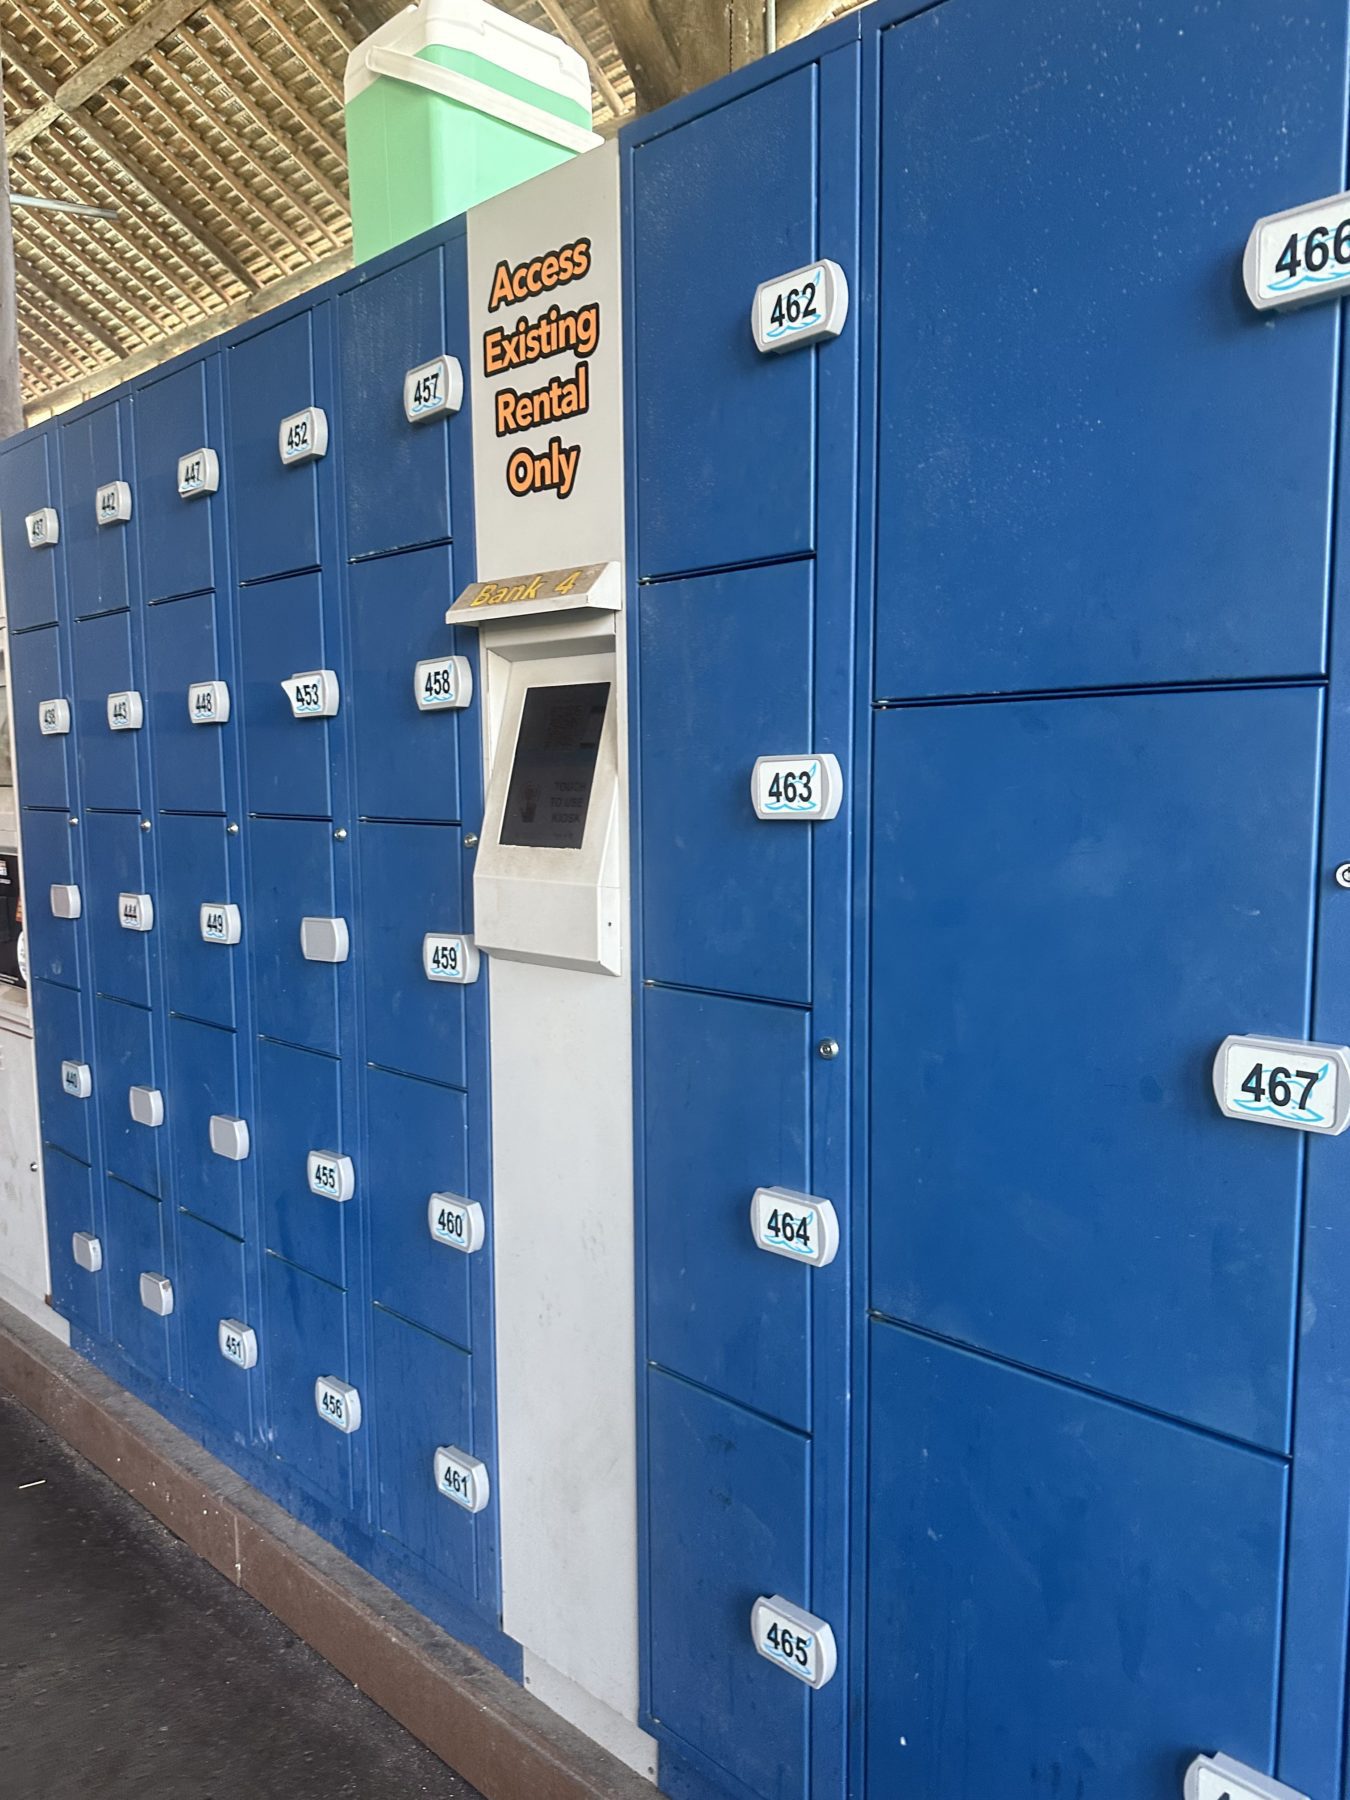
(1282,1081)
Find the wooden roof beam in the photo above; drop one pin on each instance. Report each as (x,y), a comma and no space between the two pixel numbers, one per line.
(642,42)
(72,223)
(567,31)
(35,282)
(278,90)
(59,253)
(326,16)
(298,48)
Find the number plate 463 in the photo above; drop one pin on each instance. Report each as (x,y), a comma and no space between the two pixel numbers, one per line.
(1282,1081)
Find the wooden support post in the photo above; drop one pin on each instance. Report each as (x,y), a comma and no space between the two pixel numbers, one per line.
(11,389)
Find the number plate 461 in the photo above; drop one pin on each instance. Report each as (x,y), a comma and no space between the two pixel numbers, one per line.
(1282,1081)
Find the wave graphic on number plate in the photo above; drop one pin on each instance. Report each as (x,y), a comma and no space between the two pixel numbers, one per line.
(1306,1114)
(792,806)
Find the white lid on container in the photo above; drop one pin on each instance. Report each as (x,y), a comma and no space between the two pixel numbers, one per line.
(479,30)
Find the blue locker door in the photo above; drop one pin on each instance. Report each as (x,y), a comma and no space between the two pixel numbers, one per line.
(291,878)
(1089,473)
(301,1110)
(407,762)
(210,1288)
(137,1246)
(27,485)
(199,975)
(109,776)
(170,416)
(98,557)
(182,647)
(39,672)
(274,506)
(67,1120)
(203,1081)
(417,1146)
(1074,903)
(396,475)
(304,1336)
(124,1057)
(718,205)
(1068,1597)
(282,633)
(68,1191)
(410,885)
(54,945)
(115,863)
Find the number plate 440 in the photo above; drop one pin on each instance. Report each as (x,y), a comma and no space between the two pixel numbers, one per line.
(1281,1081)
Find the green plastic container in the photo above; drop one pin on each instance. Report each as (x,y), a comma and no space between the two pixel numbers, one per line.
(448,104)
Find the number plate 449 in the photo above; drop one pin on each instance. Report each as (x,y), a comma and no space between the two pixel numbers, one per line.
(1281,1081)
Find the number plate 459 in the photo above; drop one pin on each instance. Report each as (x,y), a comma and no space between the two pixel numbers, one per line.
(1282,1081)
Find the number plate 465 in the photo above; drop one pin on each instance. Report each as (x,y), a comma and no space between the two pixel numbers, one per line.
(1282,1081)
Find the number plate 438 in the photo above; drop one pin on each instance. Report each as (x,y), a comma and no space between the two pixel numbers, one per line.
(1281,1081)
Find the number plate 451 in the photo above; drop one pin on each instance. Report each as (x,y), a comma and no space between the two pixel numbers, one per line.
(1282,1081)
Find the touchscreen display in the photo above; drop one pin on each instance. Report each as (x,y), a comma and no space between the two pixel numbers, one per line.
(554,767)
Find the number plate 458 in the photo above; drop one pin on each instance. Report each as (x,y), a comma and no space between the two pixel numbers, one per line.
(1281,1081)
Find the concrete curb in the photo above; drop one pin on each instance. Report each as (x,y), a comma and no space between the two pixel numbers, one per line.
(474,1717)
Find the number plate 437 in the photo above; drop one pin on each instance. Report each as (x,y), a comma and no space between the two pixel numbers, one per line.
(1281,1081)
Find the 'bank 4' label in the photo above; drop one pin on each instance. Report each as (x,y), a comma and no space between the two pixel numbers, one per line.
(1299,255)
(800,308)
(1282,1081)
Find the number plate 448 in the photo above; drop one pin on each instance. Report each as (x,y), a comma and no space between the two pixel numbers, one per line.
(1281,1081)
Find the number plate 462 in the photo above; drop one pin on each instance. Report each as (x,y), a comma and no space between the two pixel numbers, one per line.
(1282,1081)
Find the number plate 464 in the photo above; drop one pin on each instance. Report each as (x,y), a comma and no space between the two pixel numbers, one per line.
(1282,1081)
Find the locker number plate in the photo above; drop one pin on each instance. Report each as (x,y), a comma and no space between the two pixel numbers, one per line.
(796,787)
(77,1080)
(1220,1778)
(456,1222)
(798,1642)
(313,693)
(797,1225)
(220,922)
(126,712)
(337,1403)
(208,703)
(800,308)
(135,912)
(449,958)
(303,436)
(461,1478)
(198,473)
(43,528)
(112,503)
(1280,1081)
(238,1343)
(331,1177)
(433,388)
(53,717)
(1299,255)
(443,683)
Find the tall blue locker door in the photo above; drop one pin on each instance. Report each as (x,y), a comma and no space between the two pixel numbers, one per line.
(28,485)
(1092,859)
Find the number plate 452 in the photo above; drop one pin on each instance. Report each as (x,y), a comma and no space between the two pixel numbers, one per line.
(1281,1081)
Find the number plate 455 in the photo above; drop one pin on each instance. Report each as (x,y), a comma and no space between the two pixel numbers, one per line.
(1281,1081)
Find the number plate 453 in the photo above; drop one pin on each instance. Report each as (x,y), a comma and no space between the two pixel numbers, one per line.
(1281,1081)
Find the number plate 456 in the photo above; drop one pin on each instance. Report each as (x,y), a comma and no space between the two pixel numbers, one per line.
(1282,1081)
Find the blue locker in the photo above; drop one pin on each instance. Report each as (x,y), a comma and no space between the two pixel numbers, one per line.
(67,1120)
(137,1245)
(68,1191)
(124,1057)
(116,861)
(731,1490)
(1067,1596)
(729,1114)
(199,976)
(27,485)
(182,647)
(173,416)
(274,506)
(417,1146)
(396,475)
(410,885)
(731,906)
(711,220)
(304,1336)
(1073,905)
(406,762)
(204,1080)
(291,878)
(38,672)
(287,760)
(300,1111)
(98,557)
(109,776)
(55,946)
(210,1288)
(1133,516)
(421,1400)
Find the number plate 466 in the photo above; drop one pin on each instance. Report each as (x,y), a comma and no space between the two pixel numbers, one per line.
(1282,1081)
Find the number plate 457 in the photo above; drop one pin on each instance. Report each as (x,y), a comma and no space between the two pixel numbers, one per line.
(1281,1081)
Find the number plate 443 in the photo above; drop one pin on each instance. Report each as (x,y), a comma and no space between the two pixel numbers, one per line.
(1282,1081)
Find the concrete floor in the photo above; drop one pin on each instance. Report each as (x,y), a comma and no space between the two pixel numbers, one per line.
(130,1670)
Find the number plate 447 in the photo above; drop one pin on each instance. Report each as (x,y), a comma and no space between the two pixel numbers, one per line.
(1282,1081)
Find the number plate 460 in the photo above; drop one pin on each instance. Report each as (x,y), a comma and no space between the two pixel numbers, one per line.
(1282,1081)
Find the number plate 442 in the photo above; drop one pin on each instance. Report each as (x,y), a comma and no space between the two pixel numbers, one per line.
(1281,1081)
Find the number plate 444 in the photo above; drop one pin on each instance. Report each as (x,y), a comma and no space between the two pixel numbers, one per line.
(1282,1081)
